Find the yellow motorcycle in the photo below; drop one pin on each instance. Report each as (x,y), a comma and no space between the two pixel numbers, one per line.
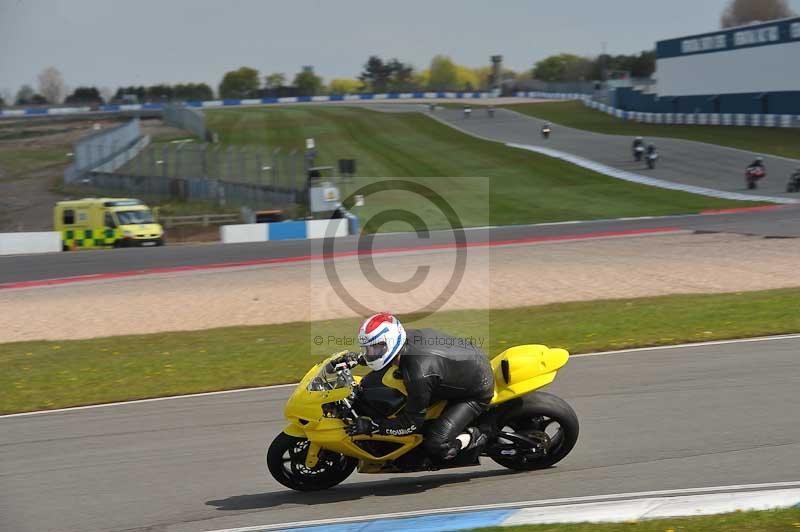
(526,429)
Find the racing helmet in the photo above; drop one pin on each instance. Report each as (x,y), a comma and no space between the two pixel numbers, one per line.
(381,336)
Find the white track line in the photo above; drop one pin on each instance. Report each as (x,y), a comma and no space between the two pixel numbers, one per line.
(276,386)
(521,504)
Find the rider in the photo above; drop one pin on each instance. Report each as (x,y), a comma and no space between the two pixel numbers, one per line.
(794,179)
(638,141)
(651,149)
(758,163)
(433,366)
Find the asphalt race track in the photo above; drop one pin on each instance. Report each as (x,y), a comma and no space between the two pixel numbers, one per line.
(680,161)
(673,418)
(782,221)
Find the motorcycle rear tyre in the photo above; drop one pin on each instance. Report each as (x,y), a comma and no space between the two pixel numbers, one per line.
(551,406)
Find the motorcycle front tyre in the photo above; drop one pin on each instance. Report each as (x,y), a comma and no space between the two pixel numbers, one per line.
(286,462)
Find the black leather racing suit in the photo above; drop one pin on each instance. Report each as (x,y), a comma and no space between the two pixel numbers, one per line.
(437,366)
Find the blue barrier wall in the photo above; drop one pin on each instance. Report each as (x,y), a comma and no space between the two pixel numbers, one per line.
(780,103)
(113,108)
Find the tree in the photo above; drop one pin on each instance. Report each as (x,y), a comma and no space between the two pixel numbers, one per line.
(307,83)
(160,93)
(85,95)
(127,94)
(376,75)
(344,86)
(24,95)
(240,83)
(192,91)
(443,73)
(51,85)
(639,66)
(466,79)
(740,12)
(2,102)
(401,77)
(275,80)
(563,67)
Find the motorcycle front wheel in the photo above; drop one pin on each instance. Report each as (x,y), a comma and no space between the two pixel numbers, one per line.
(539,432)
(286,461)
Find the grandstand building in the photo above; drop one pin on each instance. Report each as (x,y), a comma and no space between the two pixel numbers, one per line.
(752,69)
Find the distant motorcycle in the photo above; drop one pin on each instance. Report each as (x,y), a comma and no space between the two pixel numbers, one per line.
(546,132)
(753,175)
(638,153)
(651,160)
(794,182)
(490,111)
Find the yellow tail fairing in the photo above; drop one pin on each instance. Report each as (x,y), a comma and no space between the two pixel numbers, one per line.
(522,369)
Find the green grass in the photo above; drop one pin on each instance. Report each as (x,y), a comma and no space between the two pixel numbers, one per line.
(524,187)
(783,520)
(52,374)
(776,141)
(19,163)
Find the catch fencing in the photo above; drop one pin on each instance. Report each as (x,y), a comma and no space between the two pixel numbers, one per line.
(223,175)
(188,119)
(109,149)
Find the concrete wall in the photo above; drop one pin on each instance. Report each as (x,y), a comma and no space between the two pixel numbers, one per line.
(23,243)
(294,230)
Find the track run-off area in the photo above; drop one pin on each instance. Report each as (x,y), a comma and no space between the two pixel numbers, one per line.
(712,414)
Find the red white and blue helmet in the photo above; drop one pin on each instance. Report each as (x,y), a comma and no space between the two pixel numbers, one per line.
(382,336)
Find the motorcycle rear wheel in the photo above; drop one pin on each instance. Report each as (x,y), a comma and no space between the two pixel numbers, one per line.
(286,458)
(544,418)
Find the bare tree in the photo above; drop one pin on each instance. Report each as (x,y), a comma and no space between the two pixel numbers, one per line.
(106,93)
(740,12)
(51,85)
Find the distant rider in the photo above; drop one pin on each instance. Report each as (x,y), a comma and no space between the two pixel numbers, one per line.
(758,163)
(794,181)
(651,149)
(638,141)
(467,111)
(433,366)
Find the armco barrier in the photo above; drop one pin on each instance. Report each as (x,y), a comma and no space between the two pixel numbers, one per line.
(748,120)
(113,108)
(23,243)
(294,230)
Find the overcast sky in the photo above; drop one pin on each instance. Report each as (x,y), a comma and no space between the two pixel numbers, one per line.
(109,43)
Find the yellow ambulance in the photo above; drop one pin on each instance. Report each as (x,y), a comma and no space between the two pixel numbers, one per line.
(106,222)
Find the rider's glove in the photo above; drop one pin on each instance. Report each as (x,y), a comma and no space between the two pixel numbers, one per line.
(361,425)
(348,360)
